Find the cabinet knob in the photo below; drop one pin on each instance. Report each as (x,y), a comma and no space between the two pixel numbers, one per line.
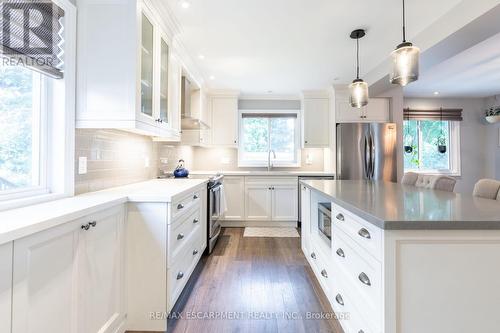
(306,141)
(195,196)
(180,236)
(180,275)
(324,273)
(364,233)
(196,221)
(313,255)
(234,141)
(364,279)
(180,206)
(339,299)
(93,223)
(195,252)
(340,252)
(85,226)
(340,217)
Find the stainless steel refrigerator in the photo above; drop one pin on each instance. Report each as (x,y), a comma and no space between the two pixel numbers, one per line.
(366,151)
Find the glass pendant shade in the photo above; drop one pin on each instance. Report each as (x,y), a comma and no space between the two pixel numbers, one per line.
(404,64)
(358,93)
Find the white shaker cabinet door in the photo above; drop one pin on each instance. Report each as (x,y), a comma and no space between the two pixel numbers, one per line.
(316,122)
(258,202)
(284,201)
(44,289)
(101,277)
(235,197)
(5,286)
(225,121)
(305,218)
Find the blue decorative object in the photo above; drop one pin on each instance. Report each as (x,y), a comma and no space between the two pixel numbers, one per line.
(180,171)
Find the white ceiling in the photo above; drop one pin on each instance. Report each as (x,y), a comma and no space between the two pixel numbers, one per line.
(286,46)
(474,72)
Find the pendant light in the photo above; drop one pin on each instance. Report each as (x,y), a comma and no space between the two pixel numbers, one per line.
(358,88)
(404,60)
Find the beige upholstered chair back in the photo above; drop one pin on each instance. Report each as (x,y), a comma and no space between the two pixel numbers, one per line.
(409,178)
(436,182)
(487,188)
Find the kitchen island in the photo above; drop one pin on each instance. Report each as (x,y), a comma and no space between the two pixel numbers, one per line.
(399,259)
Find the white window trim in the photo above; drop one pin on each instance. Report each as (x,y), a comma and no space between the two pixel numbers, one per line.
(57,177)
(276,164)
(455,160)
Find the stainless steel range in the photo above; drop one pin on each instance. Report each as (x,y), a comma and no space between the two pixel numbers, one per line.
(214,211)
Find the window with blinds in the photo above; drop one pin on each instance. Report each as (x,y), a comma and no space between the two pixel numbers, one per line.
(31,35)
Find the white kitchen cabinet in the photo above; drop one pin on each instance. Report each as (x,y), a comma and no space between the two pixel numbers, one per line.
(377,110)
(101,272)
(234,187)
(45,290)
(305,217)
(68,279)
(258,203)
(224,110)
(5,286)
(271,199)
(316,118)
(123,66)
(285,201)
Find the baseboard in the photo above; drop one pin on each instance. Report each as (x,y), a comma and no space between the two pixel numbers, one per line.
(240,224)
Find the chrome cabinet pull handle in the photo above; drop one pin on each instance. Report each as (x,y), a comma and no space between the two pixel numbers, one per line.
(180,275)
(364,233)
(364,279)
(324,273)
(85,226)
(93,223)
(340,252)
(339,299)
(340,217)
(180,236)
(180,206)
(195,252)
(196,221)
(313,255)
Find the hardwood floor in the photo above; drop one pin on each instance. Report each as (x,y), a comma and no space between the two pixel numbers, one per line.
(252,285)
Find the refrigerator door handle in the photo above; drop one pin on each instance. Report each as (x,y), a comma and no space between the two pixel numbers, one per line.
(372,156)
(366,158)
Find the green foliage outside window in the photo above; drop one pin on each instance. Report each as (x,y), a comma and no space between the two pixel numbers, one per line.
(16,116)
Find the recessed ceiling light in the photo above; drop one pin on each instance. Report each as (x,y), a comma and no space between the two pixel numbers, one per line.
(436,93)
(185,4)
(201,56)
(212,77)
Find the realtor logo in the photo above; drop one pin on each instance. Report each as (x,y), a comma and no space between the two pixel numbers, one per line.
(27,27)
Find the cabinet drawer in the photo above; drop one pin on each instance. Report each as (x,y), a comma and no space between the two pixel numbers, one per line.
(182,234)
(184,203)
(321,268)
(179,273)
(361,273)
(368,236)
(351,318)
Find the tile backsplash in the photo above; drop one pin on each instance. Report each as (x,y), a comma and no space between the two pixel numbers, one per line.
(114,158)
(117,158)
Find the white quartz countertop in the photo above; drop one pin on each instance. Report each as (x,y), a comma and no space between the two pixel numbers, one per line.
(21,222)
(398,207)
(265,173)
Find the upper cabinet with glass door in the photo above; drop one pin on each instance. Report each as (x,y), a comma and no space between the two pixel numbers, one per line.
(124,61)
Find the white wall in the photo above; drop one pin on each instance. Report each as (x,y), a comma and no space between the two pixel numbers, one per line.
(477,160)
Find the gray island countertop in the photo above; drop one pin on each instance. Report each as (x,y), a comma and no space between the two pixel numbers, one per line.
(392,206)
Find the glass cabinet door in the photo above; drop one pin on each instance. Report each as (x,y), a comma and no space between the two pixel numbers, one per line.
(147,59)
(164,81)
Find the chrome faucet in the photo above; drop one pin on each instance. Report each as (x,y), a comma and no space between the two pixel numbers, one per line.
(269,165)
